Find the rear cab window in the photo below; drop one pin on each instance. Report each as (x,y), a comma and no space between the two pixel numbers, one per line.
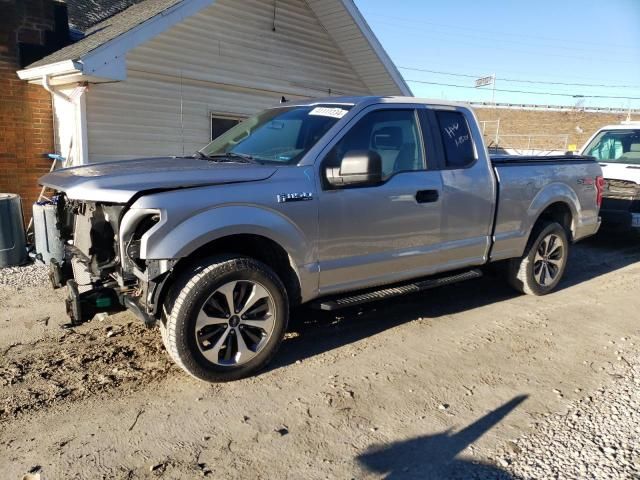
(456,139)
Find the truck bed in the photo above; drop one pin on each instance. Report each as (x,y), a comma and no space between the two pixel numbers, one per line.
(538,159)
(529,184)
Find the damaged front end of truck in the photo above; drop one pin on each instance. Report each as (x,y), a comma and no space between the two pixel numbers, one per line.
(102,266)
(105,229)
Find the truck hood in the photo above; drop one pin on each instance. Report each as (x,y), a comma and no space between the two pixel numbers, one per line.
(119,181)
(620,171)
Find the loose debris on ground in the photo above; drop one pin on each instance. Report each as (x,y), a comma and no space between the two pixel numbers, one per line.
(385,394)
(597,437)
(80,364)
(19,278)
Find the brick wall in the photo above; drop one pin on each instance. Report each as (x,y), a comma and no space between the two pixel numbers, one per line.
(26,122)
(578,125)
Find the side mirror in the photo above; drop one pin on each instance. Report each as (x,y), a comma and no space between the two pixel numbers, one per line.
(358,167)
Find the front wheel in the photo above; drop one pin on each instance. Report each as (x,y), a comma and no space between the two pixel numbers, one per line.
(540,269)
(225,318)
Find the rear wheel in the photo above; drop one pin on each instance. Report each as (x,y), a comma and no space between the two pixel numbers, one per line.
(225,319)
(542,266)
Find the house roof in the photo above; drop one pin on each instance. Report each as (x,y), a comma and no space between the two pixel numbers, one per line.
(109,29)
(102,51)
(84,14)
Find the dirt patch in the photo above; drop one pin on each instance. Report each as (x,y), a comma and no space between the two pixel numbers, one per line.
(422,384)
(81,363)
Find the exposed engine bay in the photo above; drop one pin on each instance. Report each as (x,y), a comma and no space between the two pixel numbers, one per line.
(102,267)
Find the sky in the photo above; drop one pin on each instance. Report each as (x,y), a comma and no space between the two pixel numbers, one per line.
(559,42)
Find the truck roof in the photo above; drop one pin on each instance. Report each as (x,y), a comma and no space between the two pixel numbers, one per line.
(622,126)
(365,100)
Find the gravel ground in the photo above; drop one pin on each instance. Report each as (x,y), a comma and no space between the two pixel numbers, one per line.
(597,437)
(467,382)
(32,275)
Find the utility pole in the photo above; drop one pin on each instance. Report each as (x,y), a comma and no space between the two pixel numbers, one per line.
(493,94)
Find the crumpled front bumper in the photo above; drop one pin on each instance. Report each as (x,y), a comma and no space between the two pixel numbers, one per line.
(82,307)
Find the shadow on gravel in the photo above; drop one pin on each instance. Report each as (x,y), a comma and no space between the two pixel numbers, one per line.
(435,456)
(319,332)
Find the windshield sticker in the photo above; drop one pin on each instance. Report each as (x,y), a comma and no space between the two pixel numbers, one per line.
(329,112)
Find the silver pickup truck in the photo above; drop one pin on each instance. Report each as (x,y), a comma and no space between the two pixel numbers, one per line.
(332,202)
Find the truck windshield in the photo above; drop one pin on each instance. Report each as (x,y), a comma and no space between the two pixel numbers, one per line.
(616,146)
(280,135)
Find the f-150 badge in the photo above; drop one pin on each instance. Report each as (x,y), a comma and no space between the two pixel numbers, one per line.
(295,197)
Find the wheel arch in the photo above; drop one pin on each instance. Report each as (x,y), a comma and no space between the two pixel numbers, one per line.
(559,212)
(556,202)
(258,247)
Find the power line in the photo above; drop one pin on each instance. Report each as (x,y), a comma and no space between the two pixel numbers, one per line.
(502,45)
(552,74)
(466,75)
(413,69)
(527,92)
(502,32)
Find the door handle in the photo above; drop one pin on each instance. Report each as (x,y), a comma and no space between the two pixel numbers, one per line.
(427,196)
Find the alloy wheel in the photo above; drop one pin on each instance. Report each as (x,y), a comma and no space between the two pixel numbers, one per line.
(549,260)
(235,323)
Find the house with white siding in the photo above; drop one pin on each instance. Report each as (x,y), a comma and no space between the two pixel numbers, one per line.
(164,77)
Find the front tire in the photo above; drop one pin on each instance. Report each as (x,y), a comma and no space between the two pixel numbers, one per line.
(225,318)
(542,266)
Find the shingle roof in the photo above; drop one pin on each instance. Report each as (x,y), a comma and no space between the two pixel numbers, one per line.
(84,14)
(108,29)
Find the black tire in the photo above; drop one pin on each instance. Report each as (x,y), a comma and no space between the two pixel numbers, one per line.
(187,298)
(524,273)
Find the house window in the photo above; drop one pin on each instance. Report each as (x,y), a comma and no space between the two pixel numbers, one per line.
(222,123)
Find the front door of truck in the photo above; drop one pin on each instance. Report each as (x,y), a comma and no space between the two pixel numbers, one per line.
(388,231)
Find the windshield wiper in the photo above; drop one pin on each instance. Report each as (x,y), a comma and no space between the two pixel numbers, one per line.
(199,154)
(231,157)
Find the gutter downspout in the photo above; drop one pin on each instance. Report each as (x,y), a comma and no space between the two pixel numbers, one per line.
(47,87)
(54,124)
(80,124)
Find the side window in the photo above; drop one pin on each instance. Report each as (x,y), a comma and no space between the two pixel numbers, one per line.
(393,134)
(221,124)
(456,139)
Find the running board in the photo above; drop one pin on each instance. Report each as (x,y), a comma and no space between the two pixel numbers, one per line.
(336,303)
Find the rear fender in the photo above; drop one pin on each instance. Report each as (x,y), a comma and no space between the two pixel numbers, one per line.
(550,194)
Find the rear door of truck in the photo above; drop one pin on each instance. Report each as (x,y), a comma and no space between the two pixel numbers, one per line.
(468,186)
